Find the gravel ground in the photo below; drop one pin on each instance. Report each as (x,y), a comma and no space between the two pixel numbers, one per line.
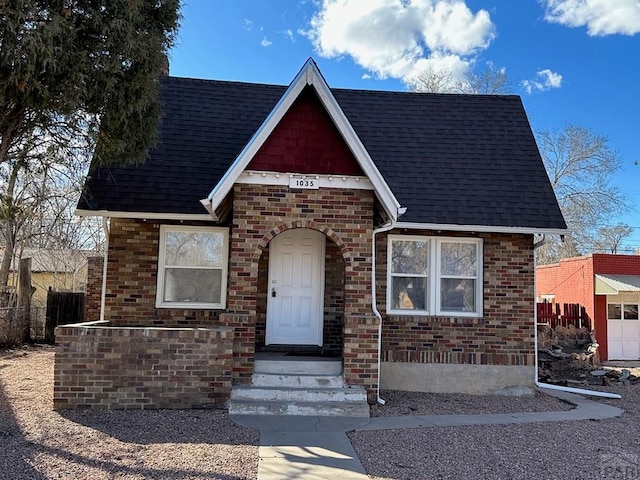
(605,449)
(415,403)
(38,443)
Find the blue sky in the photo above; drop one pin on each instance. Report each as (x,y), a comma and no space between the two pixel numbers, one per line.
(572,61)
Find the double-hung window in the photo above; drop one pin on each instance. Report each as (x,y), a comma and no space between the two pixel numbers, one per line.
(192,267)
(434,276)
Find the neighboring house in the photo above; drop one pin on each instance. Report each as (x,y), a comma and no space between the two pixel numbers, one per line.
(608,286)
(61,270)
(266,211)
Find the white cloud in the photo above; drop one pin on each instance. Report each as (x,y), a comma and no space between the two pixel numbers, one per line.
(288,33)
(601,17)
(265,42)
(544,80)
(247,24)
(399,38)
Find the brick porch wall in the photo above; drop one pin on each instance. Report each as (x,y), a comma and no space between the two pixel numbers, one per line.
(346,219)
(101,366)
(503,336)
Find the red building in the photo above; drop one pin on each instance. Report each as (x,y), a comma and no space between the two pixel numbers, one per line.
(608,286)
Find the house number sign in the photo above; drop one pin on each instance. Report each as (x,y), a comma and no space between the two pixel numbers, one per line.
(308,183)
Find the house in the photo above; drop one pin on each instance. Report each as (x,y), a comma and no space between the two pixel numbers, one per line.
(56,269)
(392,230)
(608,287)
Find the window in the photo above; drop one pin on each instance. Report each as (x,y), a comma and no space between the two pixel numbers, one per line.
(434,276)
(192,267)
(626,311)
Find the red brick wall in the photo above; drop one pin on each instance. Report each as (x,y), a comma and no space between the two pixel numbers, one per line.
(616,264)
(503,336)
(571,281)
(141,368)
(93,294)
(306,141)
(132,275)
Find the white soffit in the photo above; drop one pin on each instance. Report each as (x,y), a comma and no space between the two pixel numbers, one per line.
(308,75)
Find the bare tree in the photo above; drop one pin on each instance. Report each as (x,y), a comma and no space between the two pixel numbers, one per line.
(42,180)
(432,80)
(486,81)
(580,165)
(610,238)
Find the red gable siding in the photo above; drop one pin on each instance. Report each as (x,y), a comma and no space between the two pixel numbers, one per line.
(306,141)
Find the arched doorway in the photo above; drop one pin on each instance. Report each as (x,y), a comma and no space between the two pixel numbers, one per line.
(300,304)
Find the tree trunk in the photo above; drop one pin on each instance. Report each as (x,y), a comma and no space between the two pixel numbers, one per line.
(9,212)
(25,291)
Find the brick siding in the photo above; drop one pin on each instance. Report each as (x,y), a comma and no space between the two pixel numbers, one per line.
(93,295)
(132,266)
(102,366)
(345,217)
(503,336)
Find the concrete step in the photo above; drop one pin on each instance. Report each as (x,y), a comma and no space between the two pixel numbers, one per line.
(297,381)
(324,409)
(277,390)
(292,395)
(298,365)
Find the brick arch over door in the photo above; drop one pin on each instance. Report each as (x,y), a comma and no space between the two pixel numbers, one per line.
(337,256)
(329,233)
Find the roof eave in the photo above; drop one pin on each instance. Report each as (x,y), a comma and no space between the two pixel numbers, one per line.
(481,228)
(143,215)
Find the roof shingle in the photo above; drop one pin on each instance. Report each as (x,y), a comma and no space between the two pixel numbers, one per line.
(450,159)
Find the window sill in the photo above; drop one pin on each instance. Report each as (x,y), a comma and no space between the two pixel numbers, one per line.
(191,306)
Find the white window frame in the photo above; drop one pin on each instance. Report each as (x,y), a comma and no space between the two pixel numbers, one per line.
(434,276)
(623,304)
(160,303)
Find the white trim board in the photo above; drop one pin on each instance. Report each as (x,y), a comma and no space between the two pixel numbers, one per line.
(254,177)
(200,217)
(479,228)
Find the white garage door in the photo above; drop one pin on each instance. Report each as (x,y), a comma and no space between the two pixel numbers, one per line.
(623,328)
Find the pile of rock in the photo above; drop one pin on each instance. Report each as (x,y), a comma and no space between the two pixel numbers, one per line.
(612,377)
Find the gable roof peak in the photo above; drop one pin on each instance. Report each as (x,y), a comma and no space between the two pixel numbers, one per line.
(309,75)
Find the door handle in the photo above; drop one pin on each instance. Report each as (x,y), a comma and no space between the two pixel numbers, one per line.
(273,292)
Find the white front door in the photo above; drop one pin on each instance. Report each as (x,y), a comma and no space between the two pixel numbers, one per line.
(295,296)
(623,327)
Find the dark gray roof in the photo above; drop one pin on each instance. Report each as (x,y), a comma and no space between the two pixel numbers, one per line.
(450,159)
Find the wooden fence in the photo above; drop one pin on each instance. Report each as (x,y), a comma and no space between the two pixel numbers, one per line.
(572,314)
(63,308)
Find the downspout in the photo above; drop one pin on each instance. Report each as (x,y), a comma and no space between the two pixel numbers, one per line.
(385,228)
(103,295)
(580,391)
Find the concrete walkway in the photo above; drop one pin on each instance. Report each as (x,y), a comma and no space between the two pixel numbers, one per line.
(317,448)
